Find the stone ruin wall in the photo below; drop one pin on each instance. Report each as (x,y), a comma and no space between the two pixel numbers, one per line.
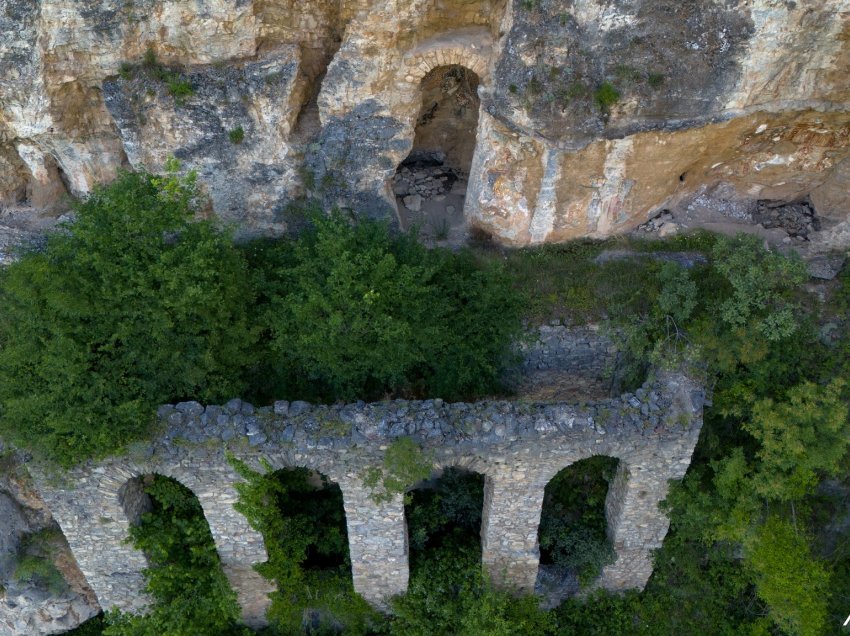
(518,446)
(749,101)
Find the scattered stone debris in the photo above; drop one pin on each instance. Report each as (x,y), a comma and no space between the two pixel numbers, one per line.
(797,219)
(778,222)
(663,224)
(430,196)
(424,180)
(685,259)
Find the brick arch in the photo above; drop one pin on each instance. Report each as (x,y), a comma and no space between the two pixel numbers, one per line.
(470,48)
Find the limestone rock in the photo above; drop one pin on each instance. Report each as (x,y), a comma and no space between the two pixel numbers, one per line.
(231,129)
(413,202)
(668,229)
(590,116)
(826,267)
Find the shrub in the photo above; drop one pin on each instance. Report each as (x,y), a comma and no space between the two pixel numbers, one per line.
(760,281)
(236,135)
(352,312)
(450,594)
(655,80)
(132,305)
(179,88)
(606,96)
(40,571)
(149,60)
(404,465)
(300,524)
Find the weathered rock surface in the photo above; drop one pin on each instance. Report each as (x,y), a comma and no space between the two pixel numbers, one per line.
(232,129)
(593,115)
(32,605)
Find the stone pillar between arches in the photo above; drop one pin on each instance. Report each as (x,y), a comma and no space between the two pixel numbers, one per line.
(239,547)
(377,540)
(511,516)
(636,526)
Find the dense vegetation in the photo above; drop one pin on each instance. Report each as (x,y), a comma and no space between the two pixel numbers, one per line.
(131,304)
(184,577)
(137,304)
(353,312)
(303,526)
(448,593)
(572,531)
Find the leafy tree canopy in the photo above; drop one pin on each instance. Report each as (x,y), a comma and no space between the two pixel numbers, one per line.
(132,305)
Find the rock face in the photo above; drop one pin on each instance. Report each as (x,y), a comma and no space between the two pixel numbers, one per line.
(592,115)
(56,598)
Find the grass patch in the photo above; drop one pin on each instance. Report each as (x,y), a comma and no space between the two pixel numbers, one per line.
(606,96)
(655,80)
(237,135)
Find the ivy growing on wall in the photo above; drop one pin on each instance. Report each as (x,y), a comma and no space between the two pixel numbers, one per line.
(404,464)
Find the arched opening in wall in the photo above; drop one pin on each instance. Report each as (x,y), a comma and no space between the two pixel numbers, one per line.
(430,184)
(50,191)
(443,518)
(311,502)
(573,532)
(184,572)
(307,541)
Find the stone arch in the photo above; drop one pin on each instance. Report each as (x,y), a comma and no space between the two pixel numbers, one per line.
(574,534)
(458,478)
(465,47)
(111,498)
(430,182)
(309,486)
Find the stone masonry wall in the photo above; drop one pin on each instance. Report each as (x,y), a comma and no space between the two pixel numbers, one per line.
(518,447)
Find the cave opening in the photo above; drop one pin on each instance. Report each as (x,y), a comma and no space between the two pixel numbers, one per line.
(430,184)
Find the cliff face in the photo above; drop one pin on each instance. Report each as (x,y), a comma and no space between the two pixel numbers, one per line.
(594,115)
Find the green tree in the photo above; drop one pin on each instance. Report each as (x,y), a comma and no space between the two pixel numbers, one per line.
(793,584)
(355,312)
(759,279)
(801,438)
(131,305)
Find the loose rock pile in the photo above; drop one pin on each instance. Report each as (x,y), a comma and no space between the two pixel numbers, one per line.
(797,219)
(664,224)
(415,183)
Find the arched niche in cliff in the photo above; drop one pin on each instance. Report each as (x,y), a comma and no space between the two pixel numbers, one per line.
(430,183)
(443,517)
(574,534)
